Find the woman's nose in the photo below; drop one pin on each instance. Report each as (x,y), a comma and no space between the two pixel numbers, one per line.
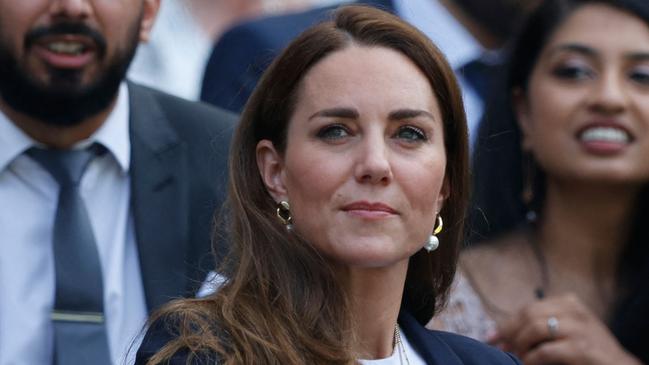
(609,94)
(372,162)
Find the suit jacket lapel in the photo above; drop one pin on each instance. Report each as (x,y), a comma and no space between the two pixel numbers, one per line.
(159,198)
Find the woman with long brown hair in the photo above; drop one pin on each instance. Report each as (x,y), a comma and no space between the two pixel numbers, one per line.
(349,158)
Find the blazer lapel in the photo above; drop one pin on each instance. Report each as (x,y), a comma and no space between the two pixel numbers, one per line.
(428,345)
(159,198)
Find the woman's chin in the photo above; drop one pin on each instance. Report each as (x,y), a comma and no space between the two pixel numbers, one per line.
(368,257)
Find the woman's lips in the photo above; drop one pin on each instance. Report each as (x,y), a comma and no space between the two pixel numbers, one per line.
(604,138)
(369,210)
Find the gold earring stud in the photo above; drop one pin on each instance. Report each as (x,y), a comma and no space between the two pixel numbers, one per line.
(284,214)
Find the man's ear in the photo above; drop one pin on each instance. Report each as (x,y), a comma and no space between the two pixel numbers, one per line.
(149,11)
(271,169)
(522,112)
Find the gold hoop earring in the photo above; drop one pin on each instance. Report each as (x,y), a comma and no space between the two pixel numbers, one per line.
(433,242)
(284,214)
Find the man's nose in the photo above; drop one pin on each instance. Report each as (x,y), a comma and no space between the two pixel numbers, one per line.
(71,9)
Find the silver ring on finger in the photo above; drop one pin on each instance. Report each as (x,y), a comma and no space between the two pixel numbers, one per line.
(553,327)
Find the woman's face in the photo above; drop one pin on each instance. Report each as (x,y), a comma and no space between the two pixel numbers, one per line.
(586,113)
(364,164)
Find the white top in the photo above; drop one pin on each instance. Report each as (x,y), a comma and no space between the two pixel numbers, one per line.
(174,58)
(450,36)
(28,196)
(395,359)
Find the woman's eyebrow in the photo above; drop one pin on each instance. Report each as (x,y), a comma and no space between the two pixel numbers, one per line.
(575,47)
(638,56)
(338,112)
(592,52)
(351,113)
(401,114)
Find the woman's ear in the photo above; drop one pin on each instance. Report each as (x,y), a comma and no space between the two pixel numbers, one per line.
(522,112)
(444,193)
(271,169)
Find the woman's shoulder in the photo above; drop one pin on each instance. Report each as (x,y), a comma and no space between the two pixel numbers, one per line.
(180,334)
(464,312)
(158,334)
(503,272)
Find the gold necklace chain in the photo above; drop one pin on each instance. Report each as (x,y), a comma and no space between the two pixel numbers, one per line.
(399,345)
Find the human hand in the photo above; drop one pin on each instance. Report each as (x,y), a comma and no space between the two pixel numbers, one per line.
(561,330)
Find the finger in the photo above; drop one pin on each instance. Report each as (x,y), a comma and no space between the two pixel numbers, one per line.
(528,324)
(497,343)
(531,335)
(510,328)
(552,352)
(566,304)
(494,339)
(503,339)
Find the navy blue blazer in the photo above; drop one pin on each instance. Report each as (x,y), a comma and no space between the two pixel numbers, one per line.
(435,347)
(242,54)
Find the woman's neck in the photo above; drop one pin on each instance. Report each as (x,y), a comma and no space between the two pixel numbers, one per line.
(375,300)
(586,225)
(579,238)
(581,235)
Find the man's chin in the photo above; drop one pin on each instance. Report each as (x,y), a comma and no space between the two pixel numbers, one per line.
(65,99)
(63,106)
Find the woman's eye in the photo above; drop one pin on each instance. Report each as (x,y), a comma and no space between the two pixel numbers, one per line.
(640,75)
(411,134)
(333,132)
(573,72)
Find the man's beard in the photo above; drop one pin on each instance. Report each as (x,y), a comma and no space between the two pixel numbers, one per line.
(63,101)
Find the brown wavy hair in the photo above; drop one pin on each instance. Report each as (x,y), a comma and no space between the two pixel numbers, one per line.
(281,303)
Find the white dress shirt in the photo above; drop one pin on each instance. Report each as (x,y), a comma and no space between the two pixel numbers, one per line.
(28,201)
(452,38)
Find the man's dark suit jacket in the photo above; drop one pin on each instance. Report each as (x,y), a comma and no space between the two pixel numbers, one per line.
(435,347)
(242,54)
(179,152)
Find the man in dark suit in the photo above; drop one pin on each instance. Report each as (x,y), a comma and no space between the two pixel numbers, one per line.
(242,54)
(107,188)
(465,30)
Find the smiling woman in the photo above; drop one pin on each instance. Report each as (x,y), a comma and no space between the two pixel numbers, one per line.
(562,198)
(348,152)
